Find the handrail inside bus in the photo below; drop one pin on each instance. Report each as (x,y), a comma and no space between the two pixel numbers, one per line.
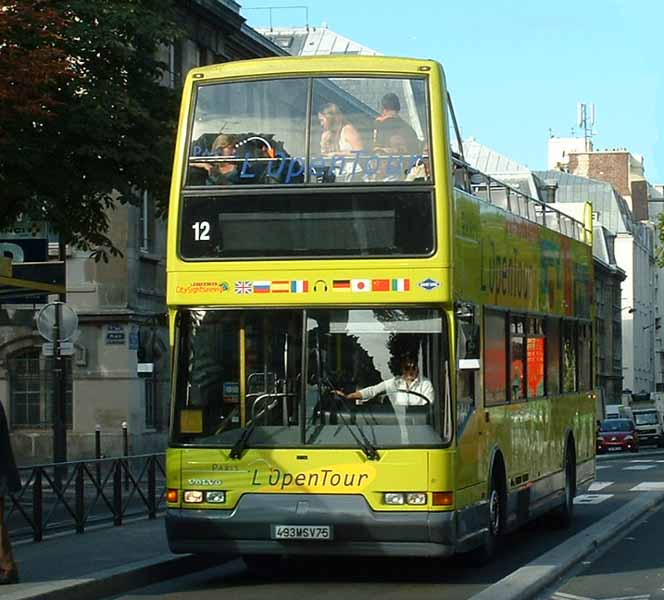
(501,194)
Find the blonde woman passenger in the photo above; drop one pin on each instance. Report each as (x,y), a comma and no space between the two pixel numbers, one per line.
(339,134)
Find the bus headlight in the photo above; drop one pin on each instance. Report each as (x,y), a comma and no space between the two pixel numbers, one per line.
(193,497)
(416,498)
(215,497)
(394,498)
(401,498)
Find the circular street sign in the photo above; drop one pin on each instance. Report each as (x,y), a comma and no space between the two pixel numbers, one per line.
(46,321)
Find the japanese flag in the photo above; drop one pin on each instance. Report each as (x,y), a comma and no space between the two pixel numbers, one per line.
(360,285)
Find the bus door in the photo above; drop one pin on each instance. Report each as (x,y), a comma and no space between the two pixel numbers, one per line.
(470,429)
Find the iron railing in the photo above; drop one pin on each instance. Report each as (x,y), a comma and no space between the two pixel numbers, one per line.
(78,494)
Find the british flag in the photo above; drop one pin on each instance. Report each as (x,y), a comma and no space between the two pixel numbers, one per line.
(244,287)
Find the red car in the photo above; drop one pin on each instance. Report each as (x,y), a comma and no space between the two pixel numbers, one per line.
(617,434)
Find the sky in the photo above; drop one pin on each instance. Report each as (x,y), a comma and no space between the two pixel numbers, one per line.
(517,70)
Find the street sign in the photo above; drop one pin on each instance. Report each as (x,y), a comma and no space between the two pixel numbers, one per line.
(66,349)
(46,320)
(25,229)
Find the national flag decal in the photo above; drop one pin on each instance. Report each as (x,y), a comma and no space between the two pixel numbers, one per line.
(400,285)
(299,286)
(243,287)
(341,285)
(380,285)
(261,287)
(360,285)
(281,287)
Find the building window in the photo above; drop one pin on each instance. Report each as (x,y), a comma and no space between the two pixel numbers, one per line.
(32,390)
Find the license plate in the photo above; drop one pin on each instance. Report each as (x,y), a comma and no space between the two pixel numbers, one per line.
(615,449)
(301,532)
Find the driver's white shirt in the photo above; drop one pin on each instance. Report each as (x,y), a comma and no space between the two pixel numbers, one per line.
(397,389)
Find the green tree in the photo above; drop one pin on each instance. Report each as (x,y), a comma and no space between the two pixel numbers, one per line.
(84,121)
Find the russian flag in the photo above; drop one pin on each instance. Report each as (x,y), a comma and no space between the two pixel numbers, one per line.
(261,287)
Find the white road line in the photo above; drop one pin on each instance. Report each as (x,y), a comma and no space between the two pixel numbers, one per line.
(596,486)
(598,467)
(648,486)
(564,596)
(639,468)
(639,460)
(591,498)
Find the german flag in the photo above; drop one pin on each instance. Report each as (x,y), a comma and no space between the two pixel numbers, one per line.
(341,285)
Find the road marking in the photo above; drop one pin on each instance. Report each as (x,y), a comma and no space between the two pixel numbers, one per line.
(598,467)
(591,498)
(596,486)
(564,596)
(648,486)
(648,460)
(639,468)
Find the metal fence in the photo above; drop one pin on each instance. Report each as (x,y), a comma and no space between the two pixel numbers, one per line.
(78,494)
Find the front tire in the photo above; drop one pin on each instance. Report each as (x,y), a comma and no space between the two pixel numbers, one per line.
(496,519)
(564,515)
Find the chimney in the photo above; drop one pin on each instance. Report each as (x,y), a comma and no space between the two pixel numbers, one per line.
(549,190)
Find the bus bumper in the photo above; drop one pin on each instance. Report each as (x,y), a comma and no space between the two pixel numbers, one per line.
(357,530)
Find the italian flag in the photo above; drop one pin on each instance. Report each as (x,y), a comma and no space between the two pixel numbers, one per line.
(400,285)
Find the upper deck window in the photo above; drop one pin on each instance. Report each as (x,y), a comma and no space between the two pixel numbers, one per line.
(321,131)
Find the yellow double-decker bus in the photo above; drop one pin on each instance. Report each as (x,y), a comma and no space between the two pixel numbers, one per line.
(377,349)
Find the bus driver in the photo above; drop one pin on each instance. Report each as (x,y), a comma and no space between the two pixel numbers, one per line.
(407,389)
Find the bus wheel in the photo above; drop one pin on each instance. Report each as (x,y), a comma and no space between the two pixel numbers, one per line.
(564,515)
(496,518)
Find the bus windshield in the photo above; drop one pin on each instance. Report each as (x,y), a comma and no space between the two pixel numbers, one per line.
(293,376)
(303,130)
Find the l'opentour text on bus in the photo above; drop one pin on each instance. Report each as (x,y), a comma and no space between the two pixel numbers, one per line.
(317,248)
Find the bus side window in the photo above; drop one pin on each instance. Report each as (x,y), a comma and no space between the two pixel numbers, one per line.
(468,361)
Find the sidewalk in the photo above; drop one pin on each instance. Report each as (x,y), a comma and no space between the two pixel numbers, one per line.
(102,561)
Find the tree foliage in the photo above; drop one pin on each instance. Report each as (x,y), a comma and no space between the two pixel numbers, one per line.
(84,121)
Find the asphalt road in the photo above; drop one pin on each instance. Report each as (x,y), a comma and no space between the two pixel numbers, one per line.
(633,567)
(618,479)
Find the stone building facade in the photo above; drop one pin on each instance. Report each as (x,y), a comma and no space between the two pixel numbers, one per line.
(119,373)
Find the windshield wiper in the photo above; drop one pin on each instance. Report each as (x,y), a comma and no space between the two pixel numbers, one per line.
(367,447)
(241,444)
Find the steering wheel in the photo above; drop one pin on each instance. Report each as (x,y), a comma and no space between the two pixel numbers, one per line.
(427,402)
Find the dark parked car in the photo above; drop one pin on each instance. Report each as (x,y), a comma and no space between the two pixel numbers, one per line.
(617,434)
